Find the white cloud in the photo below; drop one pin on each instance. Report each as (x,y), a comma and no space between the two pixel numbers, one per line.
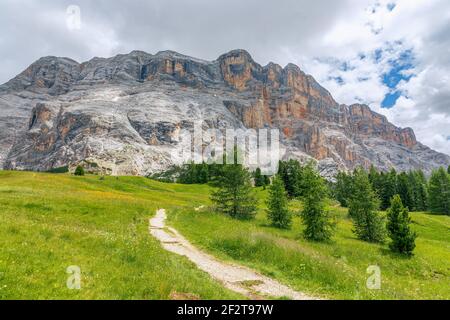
(420,26)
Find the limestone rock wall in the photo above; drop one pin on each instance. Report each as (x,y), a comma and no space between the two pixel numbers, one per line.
(125,114)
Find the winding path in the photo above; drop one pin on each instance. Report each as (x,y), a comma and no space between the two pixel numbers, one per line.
(237,278)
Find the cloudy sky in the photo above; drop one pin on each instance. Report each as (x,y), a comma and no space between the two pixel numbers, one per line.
(393,55)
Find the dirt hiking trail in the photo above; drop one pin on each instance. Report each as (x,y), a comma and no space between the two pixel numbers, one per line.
(234,277)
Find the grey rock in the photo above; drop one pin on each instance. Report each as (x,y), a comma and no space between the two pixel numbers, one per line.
(125,114)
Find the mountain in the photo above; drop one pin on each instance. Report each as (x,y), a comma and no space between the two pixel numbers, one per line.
(122,115)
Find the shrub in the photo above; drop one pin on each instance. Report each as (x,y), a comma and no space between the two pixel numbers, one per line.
(79,171)
(64,169)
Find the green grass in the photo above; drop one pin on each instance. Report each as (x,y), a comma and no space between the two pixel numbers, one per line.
(49,222)
(334,270)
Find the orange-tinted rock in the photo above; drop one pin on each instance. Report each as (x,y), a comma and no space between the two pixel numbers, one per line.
(408,138)
(162,92)
(288,132)
(236,68)
(364,121)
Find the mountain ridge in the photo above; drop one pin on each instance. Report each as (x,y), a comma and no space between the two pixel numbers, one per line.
(59,109)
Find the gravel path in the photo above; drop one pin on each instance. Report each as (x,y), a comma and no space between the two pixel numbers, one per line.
(237,278)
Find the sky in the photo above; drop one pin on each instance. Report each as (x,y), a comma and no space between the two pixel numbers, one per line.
(393,55)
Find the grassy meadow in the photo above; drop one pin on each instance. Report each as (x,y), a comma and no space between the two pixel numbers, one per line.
(333,270)
(51,221)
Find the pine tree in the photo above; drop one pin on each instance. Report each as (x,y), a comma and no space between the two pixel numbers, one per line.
(403,239)
(302,184)
(188,173)
(259,178)
(389,189)
(439,192)
(214,171)
(343,188)
(290,172)
(422,191)
(284,175)
(266,181)
(405,191)
(374,177)
(448,170)
(282,171)
(277,205)
(317,220)
(363,206)
(79,171)
(202,173)
(234,195)
(414,189)
(378,181)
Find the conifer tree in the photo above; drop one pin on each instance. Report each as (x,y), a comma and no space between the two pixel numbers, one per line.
(202,173)
(422,191)
(363,209)
(188,173)
(266,180)
(317,220)
(277,205)
(214,170)
(259,178)
(403,239)
(389,189)
(79,171)
(404,190)
(290,172)
(439,192)
(343,188)
(414,187)
(282,171)
(377,180)
(234,196)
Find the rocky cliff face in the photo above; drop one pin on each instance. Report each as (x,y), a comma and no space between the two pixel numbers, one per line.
(123,115)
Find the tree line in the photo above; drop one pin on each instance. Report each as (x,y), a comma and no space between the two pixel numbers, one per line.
(202,173)
(364,193)
(416,191)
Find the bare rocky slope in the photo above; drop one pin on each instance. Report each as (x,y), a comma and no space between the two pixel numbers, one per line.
(123,115)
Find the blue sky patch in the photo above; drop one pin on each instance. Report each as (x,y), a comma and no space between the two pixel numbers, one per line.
(390,99)
(395,74)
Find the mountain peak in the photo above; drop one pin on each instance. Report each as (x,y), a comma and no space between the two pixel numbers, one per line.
(236,53)
(124,114)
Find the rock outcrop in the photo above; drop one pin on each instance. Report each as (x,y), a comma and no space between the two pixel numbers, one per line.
(123,115)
